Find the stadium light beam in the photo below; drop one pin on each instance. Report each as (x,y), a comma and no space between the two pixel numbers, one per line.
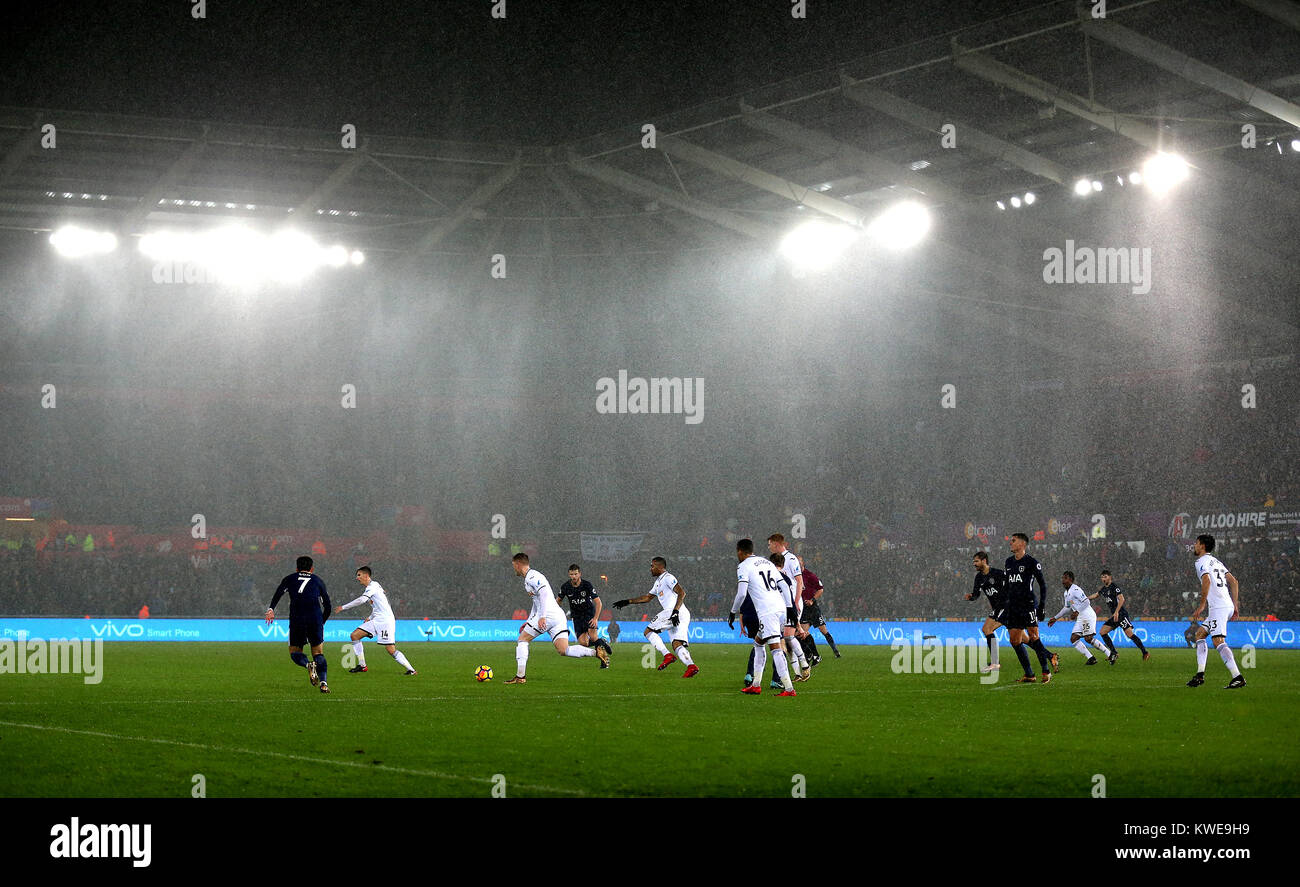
(73,242)
(815,245)
(1164,171)
(901,226)
(1083,187)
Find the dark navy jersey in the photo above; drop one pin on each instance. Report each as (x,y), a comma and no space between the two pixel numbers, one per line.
(581,599)
(1021,575)
(1110,594)
(308,600)
(993,585)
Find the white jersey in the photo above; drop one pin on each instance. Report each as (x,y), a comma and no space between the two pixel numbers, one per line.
(1077,600)
(759,578)
(544,602)
(792,571)
(664,590)
(1219,597)
(380,611)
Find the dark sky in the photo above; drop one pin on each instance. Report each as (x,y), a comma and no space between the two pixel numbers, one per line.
(552,71)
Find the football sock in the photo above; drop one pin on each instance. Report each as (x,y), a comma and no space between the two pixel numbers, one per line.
(1083,649)
(1202,651)
(992,640)
(760,663)
(809,645)
(1044,655)
(1100,646)
(658,643)
(521,658)
(684,655)
(401,660)
(1137,640)
(1109,642)
(1023,655)
(782,669)
(577,651)
(299,659)
(1225,653)
(792,663)
(830,640)
(796,650)
(749,669)
(360,650)
(321,667)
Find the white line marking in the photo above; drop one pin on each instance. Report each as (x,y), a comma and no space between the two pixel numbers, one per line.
(275,754)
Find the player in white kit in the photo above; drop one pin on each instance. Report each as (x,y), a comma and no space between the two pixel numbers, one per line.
(1216,581)
(673,617)
(1085,621)
(381,625)
(545,617)
(792,592)
(759,578)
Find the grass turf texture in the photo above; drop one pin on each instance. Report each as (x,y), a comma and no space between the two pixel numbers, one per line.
(246,718)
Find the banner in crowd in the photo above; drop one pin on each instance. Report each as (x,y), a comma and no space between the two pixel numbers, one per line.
(22,507)
(610,546)
(1250,521)
(1262,635)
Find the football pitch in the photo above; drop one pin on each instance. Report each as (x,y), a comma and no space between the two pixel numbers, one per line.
(246,719)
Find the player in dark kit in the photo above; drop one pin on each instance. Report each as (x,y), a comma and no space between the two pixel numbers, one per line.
(812,618)
(309,607)
(992,583)
(584,609)
(1024,609)
(1114,597)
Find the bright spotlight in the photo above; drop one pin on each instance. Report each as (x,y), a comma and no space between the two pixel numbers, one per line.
(1083,187)
(1030,198)
(1163,171)
(357,257)
(73,242)
(1001,205)
(1135,178)
(816,244)
(901,226)
(336,256)
(1295,144)
(1096,184)
(1015,202)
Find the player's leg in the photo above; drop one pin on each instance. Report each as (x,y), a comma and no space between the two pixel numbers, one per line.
(809,645)
(1017,638)
(400,658)
(781,664)
(317,639)
(298,656)
(574,651)
(1046,657)
(526,635)
(759,659)
(796,662)
(682,649)
(1229,661)
(991,639)
(821,626)
(1202,653)
(658,643)
(1076,641)
(358,636)
(1105,637)
(1137,641)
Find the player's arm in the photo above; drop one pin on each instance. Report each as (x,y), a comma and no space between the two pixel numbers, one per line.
(599,608)
(324,600)
(1232,584)
(742,589)
(350,604)
(974,592)
(1066,609)
(677,604)
(1042,584)
(275,599)
(632,600)
(1205,595)
(1119,602)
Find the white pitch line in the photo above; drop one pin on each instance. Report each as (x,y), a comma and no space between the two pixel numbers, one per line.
(275,754)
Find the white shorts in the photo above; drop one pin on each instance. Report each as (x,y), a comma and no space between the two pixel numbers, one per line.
(556,623)
(678,632)
(769,626)
(1086,624)
(382,632)
(1217,621)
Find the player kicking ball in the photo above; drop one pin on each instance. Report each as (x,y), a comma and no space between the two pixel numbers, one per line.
(673,617)
(760,580)
(1085,622)
(546,617)
(1216,580)
(381,625)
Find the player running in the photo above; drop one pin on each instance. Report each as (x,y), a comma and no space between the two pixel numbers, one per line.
(584,607)
(381,625)
(1025,610)
(811,616)
(1085,622)
(309,607)
(545,616)
(993,583)
(1114,598)
(673,617)
(1216,580)
(759,579)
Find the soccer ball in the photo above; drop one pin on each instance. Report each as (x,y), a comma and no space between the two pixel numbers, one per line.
(484,673)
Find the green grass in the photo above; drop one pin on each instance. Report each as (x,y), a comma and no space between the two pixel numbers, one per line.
(245,717)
